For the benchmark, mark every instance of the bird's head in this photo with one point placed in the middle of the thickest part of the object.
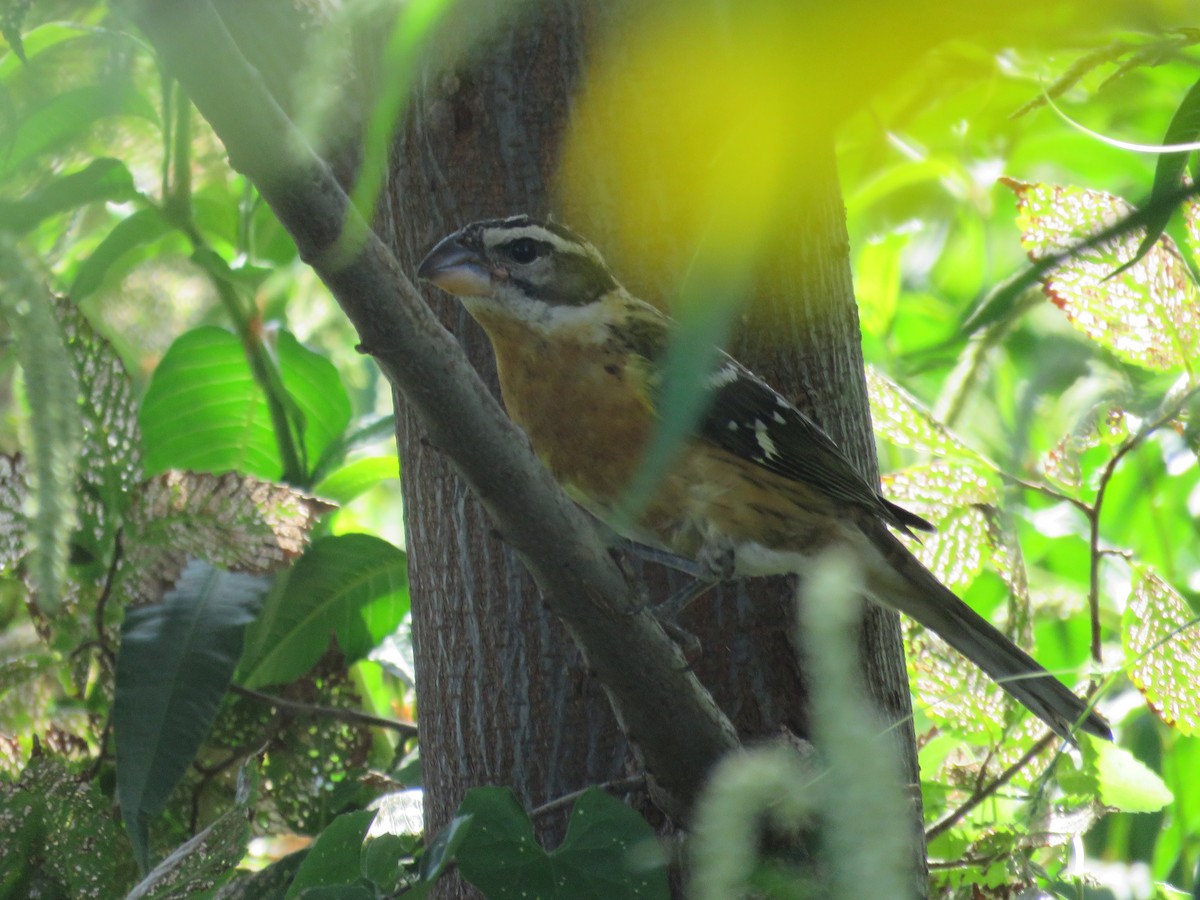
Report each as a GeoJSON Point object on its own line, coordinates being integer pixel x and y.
{"type": "Point", "coordinates": [520, 263]}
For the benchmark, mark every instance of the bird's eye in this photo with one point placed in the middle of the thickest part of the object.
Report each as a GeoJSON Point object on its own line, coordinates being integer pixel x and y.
{"type": "Point", "coordinates": [522, 250]}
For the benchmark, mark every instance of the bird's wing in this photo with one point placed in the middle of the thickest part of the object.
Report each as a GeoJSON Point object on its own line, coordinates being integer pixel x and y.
{"type": "Point", "coordinates": [748, 418]}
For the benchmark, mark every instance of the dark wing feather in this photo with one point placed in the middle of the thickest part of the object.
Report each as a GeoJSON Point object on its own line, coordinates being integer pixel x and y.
{"type": "Point", "coordinates": [751, 420]}
{"type": "Point", "coordinates": [748, 418]}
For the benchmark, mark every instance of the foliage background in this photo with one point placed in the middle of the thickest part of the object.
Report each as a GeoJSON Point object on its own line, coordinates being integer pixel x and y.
{"type": "Point", "coordinates": [115, 194]}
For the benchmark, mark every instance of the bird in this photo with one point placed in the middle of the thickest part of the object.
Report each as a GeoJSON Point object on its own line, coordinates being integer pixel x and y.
{"type": "Point", "coordinates": [758, 488]}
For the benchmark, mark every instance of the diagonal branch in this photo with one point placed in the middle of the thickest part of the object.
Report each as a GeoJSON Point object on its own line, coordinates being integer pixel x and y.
{"type": "Point", "coordinates": [672, 721]}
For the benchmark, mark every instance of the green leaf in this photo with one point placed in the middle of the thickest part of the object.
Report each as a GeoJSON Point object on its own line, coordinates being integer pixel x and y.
{"type": "Point", "coordinates": [1126, 783]}
{"type": "Point", "coordinates": [203, 410]}
{"type": "Point", "coordinates": [110, 459]}
{"type": "Point", "coordinates": [501, 857]}
{"type": "Point", "coordinates": [356, 478]}
{"type": "Point", "coordinates": [209, 858]}
{"type": "Point", "coordinates": [40, 39]}
{"type": "Point", "coordinates": [1149, 314]}
{"type": "Point", "coordinates": [1161, 636]}
{"type": "Point", "coordinates": [136, 230]}
{"type": "Point", "coordinates": [1184, 128]}
{"type": "Point", "coordinates": [66, 116]}
{"type": "Point", "coordinates": [101, 179]}
{"type": "Point", "coordinates": [334, 859]}
{"type": "Point", "coordinates": [316, 388]}
{"type": "Point", "coordinates": [175, 663]}
{"type": "Point", "coordinates": [58, 837]}
{"type": "Point", "coordinates": [443, 848]}
{"type": "Point", "coordinates": [352, 585]}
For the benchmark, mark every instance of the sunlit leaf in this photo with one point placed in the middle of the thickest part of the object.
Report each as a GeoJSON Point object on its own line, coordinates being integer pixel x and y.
{"type": "Point", "coordinates": [67, 115]}
{"type": "Point", "coordinates": [1161, 636]}
{"type": "Point", "coordinates": [101, 179]}
{"type": "Point", "coordinates": [354, 479]}
{"type": "Point", "coordinates": [174, 666]}
{"type": "Point", "coordinates": [315, 386]}
{"type": "Point", "coordinates": [1148, 314]}
{"type": "Point", "coordinates": [352, 585]}
{"type": "Point", "coordinates": [501, 856]}
{"type": "Point", "coordinates": [958, 499]}
{"type": "Point", "coordinates": [1126, 783]}
{"type": "Point", "coordinates": [903, 420]}
{"type": "Point", "coordinates": [233, 521]}
{"type": "Point", "coordinates": [204, 411]}
{"type": "Point", "coordinates": [1184, 128]}
{"type": "Point", "coordinates": [138, 229]}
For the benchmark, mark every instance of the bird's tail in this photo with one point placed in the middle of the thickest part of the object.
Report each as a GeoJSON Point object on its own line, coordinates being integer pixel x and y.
{"type": "Point", "coordinates": [906, 585]}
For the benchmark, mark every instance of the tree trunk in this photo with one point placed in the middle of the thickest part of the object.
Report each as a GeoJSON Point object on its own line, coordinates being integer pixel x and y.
{"type": "Point", "coordinates": [503, 696]}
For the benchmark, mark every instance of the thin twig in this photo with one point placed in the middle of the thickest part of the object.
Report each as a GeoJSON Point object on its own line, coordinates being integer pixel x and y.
{"type": "Point", "coordinates": [980, 794]}
{"type": "Point", "coordinates": [1093, 513]}
{"type": "Point", "coordinates": [616, 786]}
{"type": "Point", "coordinates": [337, 713]}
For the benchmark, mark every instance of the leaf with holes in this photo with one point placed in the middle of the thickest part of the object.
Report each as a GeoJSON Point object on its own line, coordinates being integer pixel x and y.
{"type": "Point", "coordinates": [51, 819]}
{"type": "Point", "coordinates": [1149, 314]}
{"type": "Point", "coordinates": [352, 585]}
{"type": "Point", "coordinates": [110, 462]}
{"type": "Point", "coordinates": [234, 521]}
{"type": "Point", "coordinates": [1161, 636]}
{"type": "Point", "coordinates": [959, 498]}
{"type": "Point", "coordinates": [501, 857]}
{"type": "Point", "coordinates": [13, 488]}
{"type": "Point", "coordinates": [209, 858]}
{"type": "Point", "coordinates": [902, 420]}
{"type": "Point", "coordinates": [174, 666]}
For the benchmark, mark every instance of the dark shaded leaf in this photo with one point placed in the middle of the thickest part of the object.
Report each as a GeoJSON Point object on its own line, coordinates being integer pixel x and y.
{"type": "Point", "coordinates": [175, 663]}
{"type": "Point", "coordinates": [352, 585]}
{"type": "Point", "coordinates": [334, 858]}
{"type": "Point", "coordinates": [501, 857]}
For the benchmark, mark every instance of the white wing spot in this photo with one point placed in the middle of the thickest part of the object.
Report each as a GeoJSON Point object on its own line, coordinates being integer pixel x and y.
{"type": "Point", "coordinates": [727, 374]}
{"type": "Point", "coordinates": [778, 417]}
{"type": "Point", "coordinates": [732, 426]}
{"type": "Point", "coordinates": [764, 439]}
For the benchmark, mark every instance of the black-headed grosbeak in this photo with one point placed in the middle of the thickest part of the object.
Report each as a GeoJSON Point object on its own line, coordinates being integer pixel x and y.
{"type": "Point", "coordinates": [758, 489]}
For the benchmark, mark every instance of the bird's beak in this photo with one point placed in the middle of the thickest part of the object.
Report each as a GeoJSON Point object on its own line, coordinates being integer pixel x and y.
{"type": "Point", "coordinates": [456, 269]}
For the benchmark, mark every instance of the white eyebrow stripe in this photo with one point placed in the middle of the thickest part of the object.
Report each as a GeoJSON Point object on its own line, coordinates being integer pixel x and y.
{"type": "Point", "coordinates": [493, 237]}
